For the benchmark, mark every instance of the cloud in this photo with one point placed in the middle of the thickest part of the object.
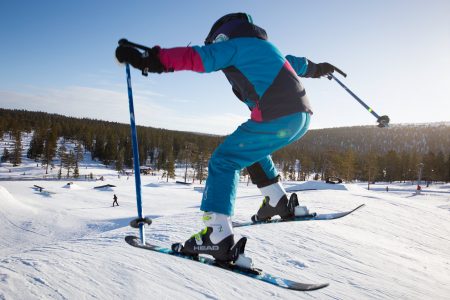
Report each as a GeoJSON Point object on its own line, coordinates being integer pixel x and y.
{"type": "Point", "coordinates": [112, 105]}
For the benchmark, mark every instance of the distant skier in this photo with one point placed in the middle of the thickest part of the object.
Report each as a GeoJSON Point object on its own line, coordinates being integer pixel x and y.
{"type": "Point", "coordinates": [115, 200]}
{"type": "Point", "coordinates": [267, 82]}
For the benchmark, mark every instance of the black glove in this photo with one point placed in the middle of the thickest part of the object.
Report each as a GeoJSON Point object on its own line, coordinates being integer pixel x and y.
{"type": "Point", "coordinates": [146, 62]}
{"type": "Point", "coordinates": [319, 70]}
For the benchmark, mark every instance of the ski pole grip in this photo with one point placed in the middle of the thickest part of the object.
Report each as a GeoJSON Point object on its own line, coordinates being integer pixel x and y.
{"type": "Point", "coordinates": [340, 72]}
{"type": "Point", "coordinates": [331, 76]}
{"type": "Point", "coordinates": [123, 42]}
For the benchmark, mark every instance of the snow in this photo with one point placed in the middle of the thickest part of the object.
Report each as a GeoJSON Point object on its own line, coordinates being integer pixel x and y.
{"type": "Point", "coordinates": [67, 241]}
{"type": "Point", "coordinates": [70, 244]}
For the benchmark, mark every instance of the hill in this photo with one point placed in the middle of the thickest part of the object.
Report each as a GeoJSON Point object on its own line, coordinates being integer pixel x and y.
{"type": "Point", "coordinates": [69, 244]}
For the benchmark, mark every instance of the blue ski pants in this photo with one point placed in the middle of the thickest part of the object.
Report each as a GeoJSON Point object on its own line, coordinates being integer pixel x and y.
{"type": "Point", "coordinates": [251, 142]}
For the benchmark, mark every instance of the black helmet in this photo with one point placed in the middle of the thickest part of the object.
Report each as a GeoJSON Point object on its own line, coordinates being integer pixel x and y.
{"type": "Point", "coordinates": [232, 26]}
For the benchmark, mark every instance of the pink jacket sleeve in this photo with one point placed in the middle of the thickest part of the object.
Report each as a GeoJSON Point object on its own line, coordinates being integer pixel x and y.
{"type": "Point", "coordinates": [181, 58]}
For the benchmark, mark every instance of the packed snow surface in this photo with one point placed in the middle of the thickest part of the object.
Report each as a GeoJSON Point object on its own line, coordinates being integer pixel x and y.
{"type": "Point", "coordinates": [68, 243]}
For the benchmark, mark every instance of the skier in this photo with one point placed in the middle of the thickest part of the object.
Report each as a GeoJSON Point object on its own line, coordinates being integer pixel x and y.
{"type": "Point", "coordinates": [115, 200]}
{"type": "Point", "coordinates": [267, 82]}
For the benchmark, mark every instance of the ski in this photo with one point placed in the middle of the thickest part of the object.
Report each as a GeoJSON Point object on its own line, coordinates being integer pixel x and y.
{"type": "Point", "coordinates": [255, 273]}
{"type": "Point", "coordinates": [309, 217]}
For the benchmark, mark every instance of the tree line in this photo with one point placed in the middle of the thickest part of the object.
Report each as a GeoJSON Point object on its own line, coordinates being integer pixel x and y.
{"type": "Point", "coordinates": [369, 153]}
{"type": "Point", "coordinates": [107, 142]}
{"type": "Point", "coordinates": [364, 153]}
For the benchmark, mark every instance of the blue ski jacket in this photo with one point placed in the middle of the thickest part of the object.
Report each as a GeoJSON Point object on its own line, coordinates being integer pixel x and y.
{"type": "Point", "coordinates": [259, 74]}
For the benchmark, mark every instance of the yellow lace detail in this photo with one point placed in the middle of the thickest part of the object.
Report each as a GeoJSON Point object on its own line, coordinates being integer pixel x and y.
{"type": "Point", "coordinates": [206, 217]}
{"type": "Point", "coordinates": [264, 201]}
{"type": "Point", "coordinates": [198, 236]}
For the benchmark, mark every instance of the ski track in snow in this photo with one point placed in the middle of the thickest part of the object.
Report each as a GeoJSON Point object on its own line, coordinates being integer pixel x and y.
{"type": "Point", "coordinates": [69, 245]}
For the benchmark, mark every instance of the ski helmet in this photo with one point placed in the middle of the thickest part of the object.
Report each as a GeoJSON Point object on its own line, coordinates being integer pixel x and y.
{"type": "Point", "coordinates": [232, 26]}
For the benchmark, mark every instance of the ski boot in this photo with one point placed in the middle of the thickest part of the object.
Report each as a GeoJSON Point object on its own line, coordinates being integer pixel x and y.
{"type": "Point", "coordinates": [284, 208]}
{"type": "Point", "coordinates": [217, 240]}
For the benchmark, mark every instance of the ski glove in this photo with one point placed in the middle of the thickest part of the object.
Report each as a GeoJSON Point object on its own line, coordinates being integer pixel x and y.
{"type": "Point", "coordinates": [319, 70]}
{"type": "Point", "coordinates": [146, 62]}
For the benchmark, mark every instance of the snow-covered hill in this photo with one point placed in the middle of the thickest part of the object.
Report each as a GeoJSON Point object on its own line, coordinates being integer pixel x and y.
{"type": "Point", "coordinates": [68, 243]}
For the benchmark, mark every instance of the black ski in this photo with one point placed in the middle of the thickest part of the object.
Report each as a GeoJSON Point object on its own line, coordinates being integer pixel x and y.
{"type": "Point", "coordinates": [310, 217]}
{"type": "Point", "coordinates": [253, 272]}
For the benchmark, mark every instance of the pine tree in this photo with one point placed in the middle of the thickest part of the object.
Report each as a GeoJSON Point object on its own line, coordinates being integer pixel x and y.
{"type": "Point", "coordinates": [110, 149]}
{"type": "Point", "coordinates": [142, 149]}
{"type": "Point", "coordinates": [6, 155]}
{"type": "Point", "coordinates": [119, 160]}
{"type": "Point", "coordinates": [162, 157]}
{"type": "Point", "coordinates": [331, 164]}
{"type": "Point", "coordinates": [16, 157]}
{"type": "Point", "coordinates": [391, 165]}
{"type": "Point", "coordinates": [429, 161]}
{"type": "Point", "coordinates": [189, 148]}
{"type": "Point", "coordinates": [99, 148]}
{"type": "Point", "coordinates": [306, 169]}
{"type": "Point", "coordinates": [62, 157]}
{"type": "Point", "coordinates": [78, 153]}
{"type": "Point", "coordinates": [348, 165]}
{"type": "Point", "coordinates": [36, 148]}
{"type": "Point", "coordinates": [370, 168]}
{"type": "Point", "coordinates": [49, 148]}
{"type": "Point", "coordinates": [78, 156]}
{"type": "Point", "coordinates": [69, 162]}
{"type": "Point", "coordinates": [201, 162]}
{"type": "Point", "coordinates": [414, 161]}
{"type": "Point", "coordinates": [404, 166]}
{"type": "Point", "coordinates": [128, 152]}
{"type": "Point", "coordinates": [447, 179]}
{"type": "Point", "coordinates": [76, 172]}
{"type": "Point", "coordinates": [170, 165]}
{"type": "Point", "coordinates": [440, 167]}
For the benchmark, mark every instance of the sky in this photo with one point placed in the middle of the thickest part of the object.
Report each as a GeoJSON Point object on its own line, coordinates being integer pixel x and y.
{"type": "Point", "coordinates": [58, 57]}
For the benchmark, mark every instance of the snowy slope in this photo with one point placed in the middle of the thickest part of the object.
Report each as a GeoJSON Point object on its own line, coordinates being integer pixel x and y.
{"type": "Point", "coordinates": [69, 244]}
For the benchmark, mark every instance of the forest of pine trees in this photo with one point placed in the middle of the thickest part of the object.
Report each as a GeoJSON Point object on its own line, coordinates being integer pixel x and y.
{"type": "Point", "coordinates": [108, 142]}
{"type": "Point", "coordinates": [365, 153]}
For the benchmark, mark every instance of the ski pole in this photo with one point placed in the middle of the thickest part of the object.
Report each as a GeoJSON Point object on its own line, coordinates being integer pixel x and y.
{"type": "Point", "coordinates": [383, 121]}
{"type": "Point", "coordinates": [137, 173]}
